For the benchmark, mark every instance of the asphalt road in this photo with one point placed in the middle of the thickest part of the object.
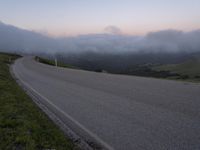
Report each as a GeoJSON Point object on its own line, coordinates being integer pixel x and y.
{"type": "Point", "coordinates": [120, 112]}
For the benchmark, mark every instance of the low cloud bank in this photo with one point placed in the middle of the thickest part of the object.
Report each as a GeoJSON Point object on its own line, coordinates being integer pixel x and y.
{"type": "Point", "coordinates": [171, 41]}
{"type": "Point", "coordinates": [162, 41]}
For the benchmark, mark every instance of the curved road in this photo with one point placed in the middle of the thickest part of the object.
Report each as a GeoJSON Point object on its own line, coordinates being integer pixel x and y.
{"type": "Point", "coordinates": [120, 112]}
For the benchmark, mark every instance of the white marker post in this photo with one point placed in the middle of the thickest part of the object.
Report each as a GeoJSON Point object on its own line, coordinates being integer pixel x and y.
{"type": "Point", "coordinates": [56, 63]}
{"type": "Point", "coordinates": [9, 59]}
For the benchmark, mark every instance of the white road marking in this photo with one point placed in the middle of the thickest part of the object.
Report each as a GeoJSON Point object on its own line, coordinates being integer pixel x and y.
{"type": "Point", "coordinates": [98, 139]}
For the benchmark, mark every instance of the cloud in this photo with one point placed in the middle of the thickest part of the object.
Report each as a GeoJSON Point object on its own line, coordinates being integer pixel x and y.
{"type": "Point", "coordinates": [162, 41]}
{"type": "Point", "coordinates": [18, 40]}
{"type": "Point", "coordinates": [112, 30]}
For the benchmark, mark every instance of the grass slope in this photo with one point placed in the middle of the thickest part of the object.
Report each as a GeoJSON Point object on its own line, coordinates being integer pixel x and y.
{"type": "Point", "coordinates": [190, 68]}
{"type": "Point", "coordinates": [52, 63]}
{"type": "Point", "coordinates": [22, 124]}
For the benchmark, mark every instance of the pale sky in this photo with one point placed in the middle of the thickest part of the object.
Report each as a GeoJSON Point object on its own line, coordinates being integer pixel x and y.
{"type": "Point", "coordinates": [74, 17]}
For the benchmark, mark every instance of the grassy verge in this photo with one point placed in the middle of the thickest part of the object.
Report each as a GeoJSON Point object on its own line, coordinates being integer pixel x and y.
{"type": "Point", "coordinates": [52, 63]}
{"type": "Point", "coordinates": [22, 124]}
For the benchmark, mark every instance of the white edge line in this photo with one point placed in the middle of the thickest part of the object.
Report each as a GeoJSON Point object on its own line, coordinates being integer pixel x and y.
{"type": "Point", "coordinates": [68, 116]}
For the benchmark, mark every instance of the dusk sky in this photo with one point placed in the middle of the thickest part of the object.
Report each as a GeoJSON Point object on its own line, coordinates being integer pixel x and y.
{"type": "Point", "coordinates": [74, 17]}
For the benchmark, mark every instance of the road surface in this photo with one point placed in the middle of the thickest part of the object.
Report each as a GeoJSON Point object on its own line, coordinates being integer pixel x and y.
{"type": "Point", "coordinates": [120, 112]}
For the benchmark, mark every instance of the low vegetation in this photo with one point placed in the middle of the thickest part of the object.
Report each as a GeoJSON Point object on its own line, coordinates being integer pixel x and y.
{"type": "Point", "coordinates": [188, 70]}
{"type": "Point", "coordinates": [52, 63]}
{"type": "Point", "coordinates": [22, 124]}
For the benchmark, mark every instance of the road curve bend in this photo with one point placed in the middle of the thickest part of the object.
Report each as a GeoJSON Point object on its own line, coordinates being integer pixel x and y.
{"type": "Point", "coordinates": [117, 111]}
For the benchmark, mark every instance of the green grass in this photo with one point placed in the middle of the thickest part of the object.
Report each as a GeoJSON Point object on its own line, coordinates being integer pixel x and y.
{"type": "Point", "coordinates": [52, 63]}
{"type": "Point", "coordinates": [186, 71]}
{"type": "Point", "coordinates": [22, 124]}
{"type": "Point", "coordinates": [189, 69]}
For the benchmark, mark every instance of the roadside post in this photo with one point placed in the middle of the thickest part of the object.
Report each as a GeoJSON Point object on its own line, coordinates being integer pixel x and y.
{"type": "Point", "coordinates": [9, 60]}
{"type": "Point", "coordinates": [56, 63]}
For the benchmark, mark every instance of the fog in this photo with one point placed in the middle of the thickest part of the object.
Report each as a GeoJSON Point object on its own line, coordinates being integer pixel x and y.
{"type": "Point", "coordinates": [19, 40]}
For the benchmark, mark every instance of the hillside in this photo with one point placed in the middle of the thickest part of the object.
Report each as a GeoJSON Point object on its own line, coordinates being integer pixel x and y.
{"type": "Point", "coordinates": [190, 68]}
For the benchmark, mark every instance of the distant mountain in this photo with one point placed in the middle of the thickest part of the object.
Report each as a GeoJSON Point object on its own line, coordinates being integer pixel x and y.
{"type": "Point", "coordinates": [116, 63]}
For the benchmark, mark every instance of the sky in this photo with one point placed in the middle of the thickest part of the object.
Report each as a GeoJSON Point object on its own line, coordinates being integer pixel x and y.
{"type": "Point", "coordinates": [75, 17]}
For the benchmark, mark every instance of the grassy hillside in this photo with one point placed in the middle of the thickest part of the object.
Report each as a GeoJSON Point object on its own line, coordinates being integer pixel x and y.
{"type": "Point", "coordinates": [190, 69]}
{"type": "Point", "coordinates": [23, 125]}
{"type": "Point", "coordinates": [52, 63]}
